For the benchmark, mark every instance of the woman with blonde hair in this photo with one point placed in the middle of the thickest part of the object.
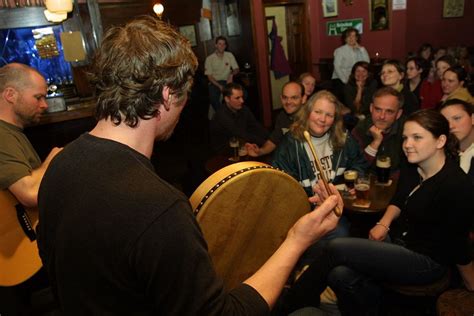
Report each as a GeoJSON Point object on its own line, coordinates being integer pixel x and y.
{"type": "Point", "coordinates": [336, 149]}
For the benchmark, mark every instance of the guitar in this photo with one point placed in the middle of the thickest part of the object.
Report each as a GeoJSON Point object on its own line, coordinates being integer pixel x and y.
{"type": "Point", "coordinates": [19, 257]}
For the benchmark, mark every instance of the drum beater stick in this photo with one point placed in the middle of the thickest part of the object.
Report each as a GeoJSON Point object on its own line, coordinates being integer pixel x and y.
{"type": "Point", "coordinates": [337, 209]}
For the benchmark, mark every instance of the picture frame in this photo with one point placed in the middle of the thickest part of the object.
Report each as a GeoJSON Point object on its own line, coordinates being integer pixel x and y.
{"type": "Point", "coordinates": [329, 8]}
{"type": "Point", "coordinates": [453, 8]}
{"type": "Point", "coordinates": [189, 32]}
{"type": "Point", "coordinates": [379, 15]}
{"type": "Point", "coordinates": [232, 18]}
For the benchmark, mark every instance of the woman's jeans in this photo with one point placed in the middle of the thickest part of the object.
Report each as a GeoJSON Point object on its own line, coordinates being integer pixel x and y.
{"type": "Point", "coordinates": [354, 268]}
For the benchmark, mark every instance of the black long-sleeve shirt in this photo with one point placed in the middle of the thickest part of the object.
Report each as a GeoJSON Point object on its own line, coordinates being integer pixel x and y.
{"type": "Point", "coordinates": [118, 240]}
{"type": "Point", "coordinates": [437, 216]}
{"type": "Point", "coordinates": [241, 124]}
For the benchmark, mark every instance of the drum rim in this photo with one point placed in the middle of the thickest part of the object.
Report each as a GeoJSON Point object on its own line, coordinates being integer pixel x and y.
{"type": "Point", "coordinates": [225, 174]}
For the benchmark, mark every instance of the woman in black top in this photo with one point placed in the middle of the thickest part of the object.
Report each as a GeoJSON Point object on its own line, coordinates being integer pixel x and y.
{"type": "Point", "coordinates": [359, 89]}
{"type": "Point", "coordinates": [434, 204]}
{"type": "Point", "coordinates": [414, 75]}
{"type": "Point", "coordinates": [392, 75]}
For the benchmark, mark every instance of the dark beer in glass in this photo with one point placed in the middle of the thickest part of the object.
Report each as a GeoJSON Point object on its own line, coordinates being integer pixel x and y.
{"type": "Point", "coordinates": [382, 169]}
{"type": "Point", "coordinates": [350, 177]}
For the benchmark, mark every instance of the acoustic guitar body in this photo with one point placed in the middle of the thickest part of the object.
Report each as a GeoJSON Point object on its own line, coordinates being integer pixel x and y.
{"type": "Point", "coordinates": [19, 257]}
{"type": "Point", "coordinates": [245, 211]}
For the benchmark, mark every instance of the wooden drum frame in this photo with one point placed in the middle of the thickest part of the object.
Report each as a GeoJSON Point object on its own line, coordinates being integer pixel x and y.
{"type": "Point", "coordinates": [245, 211]}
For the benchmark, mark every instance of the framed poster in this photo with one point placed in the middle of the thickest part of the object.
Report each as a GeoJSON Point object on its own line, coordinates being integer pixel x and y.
{"type": "Point", "coordinates": [329, 8]}
{"type": "Point", "coordinates": [379, 19]}
{"type": "Point", "coordinates": [453, 8]}
{"type": "Point", "coordinates": [232, 18]}
{"type": "Point", "coordinates": [190, 33]}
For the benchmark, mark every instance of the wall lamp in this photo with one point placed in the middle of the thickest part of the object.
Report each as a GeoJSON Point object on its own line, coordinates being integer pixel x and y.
{"type": "Point", "coordinates": [158, 8]}
{"type": "Point", "coordinates": [56, 10]}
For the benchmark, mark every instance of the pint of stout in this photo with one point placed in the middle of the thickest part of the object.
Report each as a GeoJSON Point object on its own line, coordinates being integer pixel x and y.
{"type": "Point", "coordinates": [383, 169]}
{"type": "Point", "coordinates": [350, 177]}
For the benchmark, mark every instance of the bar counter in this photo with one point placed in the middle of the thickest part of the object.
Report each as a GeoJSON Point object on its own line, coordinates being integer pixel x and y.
{"type": "Point", "coordinates": [57, 129]}
{"type": "Point", "coordinates": [82, 109]}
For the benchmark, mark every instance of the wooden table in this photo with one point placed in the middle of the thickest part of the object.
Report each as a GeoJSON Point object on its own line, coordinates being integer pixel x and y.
{"type": "Point", "coordinates": [379, 195]}
{"type": "Point", "coordinates": [363, 219]}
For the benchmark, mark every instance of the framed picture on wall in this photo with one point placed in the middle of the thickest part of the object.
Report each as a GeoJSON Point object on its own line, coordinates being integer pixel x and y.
{"type": "Point", "coordinates": [190, 33]}
{"type": "Point", "coordinates": [232, 18]}
{"type": "Point", "coordinates": [453, 8]}
{"type": "Point", "coordinates": [379, 17]}
{"type": "Point", "coordinates": [329, 8]}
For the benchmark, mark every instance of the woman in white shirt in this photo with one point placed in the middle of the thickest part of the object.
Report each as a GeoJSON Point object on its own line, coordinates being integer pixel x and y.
{"type": "Point", "coordinates": [348, 54]}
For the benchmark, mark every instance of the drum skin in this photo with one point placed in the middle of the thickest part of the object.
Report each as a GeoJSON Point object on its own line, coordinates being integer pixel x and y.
{"type": "Point", "coordinates": [245, 211]}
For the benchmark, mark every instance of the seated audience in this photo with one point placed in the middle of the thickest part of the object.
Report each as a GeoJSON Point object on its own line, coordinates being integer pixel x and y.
{"type": "Point", "coordinates": [453, 85]}
{"type": "Point", "coordinates": [359, 89]}
{"type": "Point", "coordinates": [431, 91]}
{"type": "Point", "coordinates": [345, 57]}
{"type": "Point", "coordinates": [429, 239]}
{"type": "Point", "coordinates": [439, 52]}
{"type": "Point", "coordinates": [234, 119]}
{"type": "Point", "coordinates": [460, 115]}
{"type": "Point", "coordinates": [115, 238]}
{"type": "Point", "coordinates": [464, 60]}
{"type": "Point", "coordinates": [309, 83]}
{"type": "Point", "coordinates": [348, 54]}
{"type": "Point", "coordinates": [425, 52]}
{"type": "Point", "coordinates": [292, 97]}
{"type": "Point", "coordinates": [381, 132]}
{"type": "Point", "coordinates": [392, 75]}
{"type": "Point", "coordinates": [336, 149]}
{"type": "Point", "coordinates": [220, 69]}
{"type": "Point", "coordinates": [414, 75]}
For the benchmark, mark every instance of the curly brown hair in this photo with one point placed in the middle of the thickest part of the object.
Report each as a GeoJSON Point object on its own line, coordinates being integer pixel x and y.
{"type": "Point", "coordinates": [133, 65]}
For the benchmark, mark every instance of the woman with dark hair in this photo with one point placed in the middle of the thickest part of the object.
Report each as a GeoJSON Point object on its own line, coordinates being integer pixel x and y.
{"type": "Point", "coordinates": [464, 60]}
{"type": "Point", "coordinates": [414, 66]}
{"type": "Point", "coordinates": [433, 208]}
{"type": "Point", "coordinates": [348, 54]}
{"type": "Point", "coordinates": [430, 91]}
{"type": "Point", "coordinates": [392, 75]}
{"type": "Point", "coordinates": [426, 54]}
{"type": "Point", "coordinates": [359, 89]}
{"type": "Point", "coordinates": [453, 85]}
{"type": "Point", "coordinates": [460, 115]}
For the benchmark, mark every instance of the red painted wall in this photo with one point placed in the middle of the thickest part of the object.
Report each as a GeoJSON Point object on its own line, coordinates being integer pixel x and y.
{"type": "Point", "coordinates": [426, 24]}
{"type": "Point", "coordinates": [382, 42]}
{"type": "Point", "coordinates": [421, 22]}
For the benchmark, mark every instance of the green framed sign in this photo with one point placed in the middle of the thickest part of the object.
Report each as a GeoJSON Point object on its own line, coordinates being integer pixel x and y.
{"type": "Point", "coordinates": [335, 28]}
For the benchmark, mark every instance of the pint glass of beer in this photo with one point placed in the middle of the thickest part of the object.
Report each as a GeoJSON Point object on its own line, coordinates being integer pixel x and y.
{"type": "Point", "coordinates": [362, 188]}
{"type": "Point", "coordinates": [234, 144]}
{"type": "Point", "coordinates": [350, 177]}
{"type": "Point", "coordinates": [383, 169]}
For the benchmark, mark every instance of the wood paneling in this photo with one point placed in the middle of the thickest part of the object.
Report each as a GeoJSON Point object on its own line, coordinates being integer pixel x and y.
{"type": "Point", "coordinates": [22, 17]}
